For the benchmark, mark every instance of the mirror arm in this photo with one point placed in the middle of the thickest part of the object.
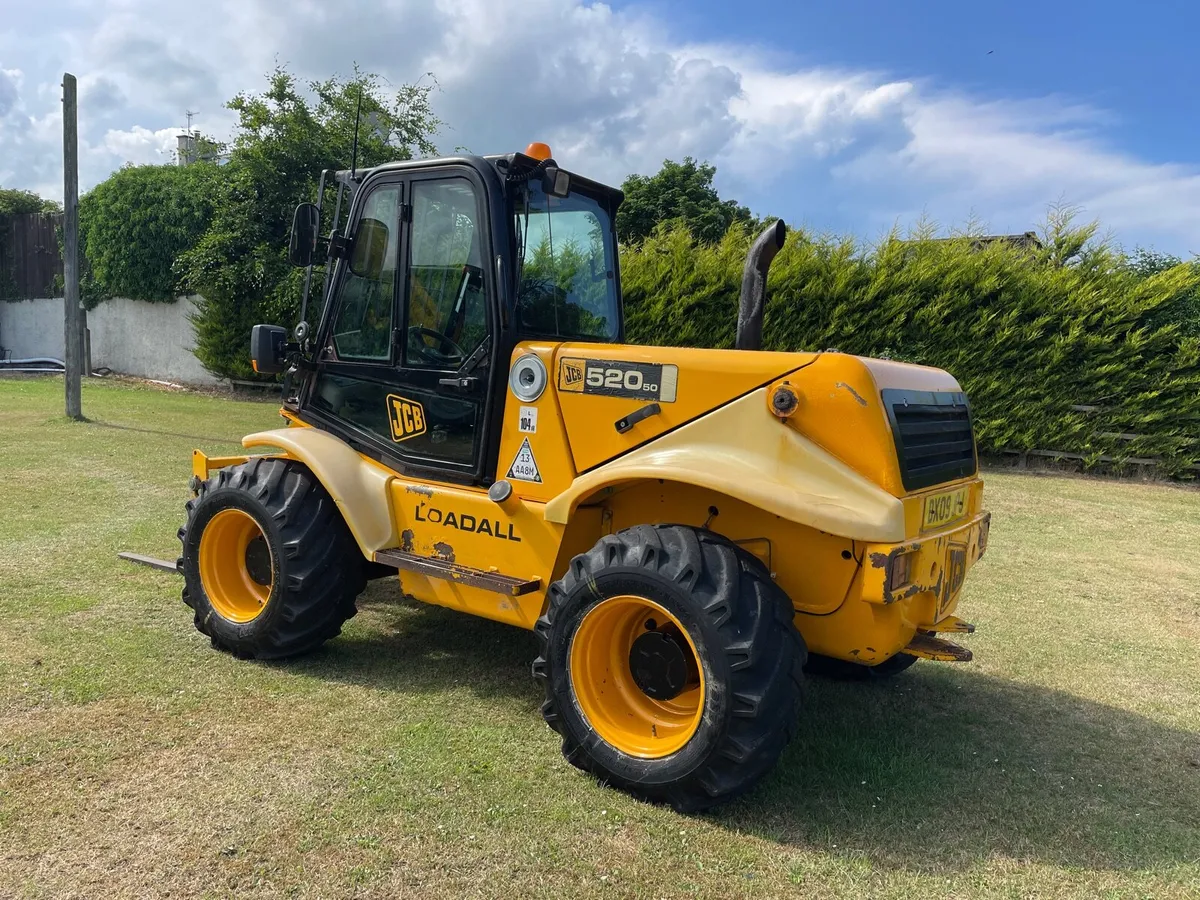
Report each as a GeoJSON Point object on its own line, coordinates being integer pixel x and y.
{"type": "Point", "coordinates": [339, 245]}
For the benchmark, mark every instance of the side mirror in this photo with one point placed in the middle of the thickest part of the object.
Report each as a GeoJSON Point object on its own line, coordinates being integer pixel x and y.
{"type": "Point", "coordinates": [305, 224]}
{"type": "Point", "coordinates": [267, 349]}
{"type": "Point", "coordinates": [369, 247]}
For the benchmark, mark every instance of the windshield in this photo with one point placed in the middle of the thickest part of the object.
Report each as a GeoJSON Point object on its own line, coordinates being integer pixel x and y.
{"type": "Point", "coordinates": [568, 279]}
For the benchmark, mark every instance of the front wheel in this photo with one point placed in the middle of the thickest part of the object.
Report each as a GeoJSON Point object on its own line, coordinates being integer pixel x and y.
{"type": "Point", "coordinates": [269, 566]}
{"type": "Point", "coordinates": [671, 665]}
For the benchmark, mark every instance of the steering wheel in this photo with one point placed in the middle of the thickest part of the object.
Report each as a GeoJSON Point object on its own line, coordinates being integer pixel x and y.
{"type": "Point", "coordinates": [416, 340]}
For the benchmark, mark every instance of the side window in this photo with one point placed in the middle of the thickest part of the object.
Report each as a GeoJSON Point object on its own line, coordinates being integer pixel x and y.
{"type": "Point", "coordinates": [446, 303]}
{"type": "Point", "coordinates": [363, 328]}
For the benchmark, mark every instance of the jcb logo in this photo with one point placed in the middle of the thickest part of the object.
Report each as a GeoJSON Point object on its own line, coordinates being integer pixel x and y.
{"type": "Point", "coordinates": [572, 375]}
{"type": "Point", "coordinates": [407, 417]}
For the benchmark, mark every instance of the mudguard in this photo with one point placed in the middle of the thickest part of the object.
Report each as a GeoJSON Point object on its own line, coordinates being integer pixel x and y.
{"type": "Point", "coordinates": [358, 485]}
{"type": "Point", "coordinates": [742, 451]}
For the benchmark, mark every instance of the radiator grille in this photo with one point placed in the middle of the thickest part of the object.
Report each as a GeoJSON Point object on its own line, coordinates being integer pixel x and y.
{"type": "Point", "coordinates": [934, 439]}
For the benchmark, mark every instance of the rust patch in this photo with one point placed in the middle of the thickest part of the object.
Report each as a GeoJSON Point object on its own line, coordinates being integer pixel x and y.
{"type": "Point", "coordinates": [911, 591]}
{"type": "Point", "coordinates": [857, 396]}
{"type": "Point", "coordinates": [930, 647]}
{"type": "Point", "coordinates": [423, 489]}
{"type": "Point", "coordinates": [880, 560]}
{"type": "Point", "coordinates": [406, 540]}
{"type": "Point", "coordinates": [444, 551]}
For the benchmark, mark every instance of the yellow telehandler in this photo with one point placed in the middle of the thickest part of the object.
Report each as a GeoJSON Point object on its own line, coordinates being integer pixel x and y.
{"type": "Point", "coordinates": [680, 527]}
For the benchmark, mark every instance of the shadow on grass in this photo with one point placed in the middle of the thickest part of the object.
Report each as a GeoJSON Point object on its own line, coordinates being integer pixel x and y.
{"type": "Point", "coordinates": [414, 648]}
{"type": "Point", "coordinates": [938, 769]}
{"type": "Point", "coordinates": [944, 767]}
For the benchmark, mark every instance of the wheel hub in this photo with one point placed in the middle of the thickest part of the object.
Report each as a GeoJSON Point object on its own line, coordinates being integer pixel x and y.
{"type": "Point", "coordinates": [258, 561]}
{"type": "Point", "coordinates": [659, 665]}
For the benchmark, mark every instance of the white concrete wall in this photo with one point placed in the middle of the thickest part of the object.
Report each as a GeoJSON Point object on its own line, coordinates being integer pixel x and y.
{"type": "Point", "coordinates": [32, 328]}
{"type": "Point", "coordinates": [147, 340]}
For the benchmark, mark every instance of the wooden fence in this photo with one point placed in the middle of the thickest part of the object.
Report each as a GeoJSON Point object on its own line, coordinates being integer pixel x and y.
{"type": "Point", "coordinates": [1141, 463]}
{"type": "Point", "coordinates": [29, 256]}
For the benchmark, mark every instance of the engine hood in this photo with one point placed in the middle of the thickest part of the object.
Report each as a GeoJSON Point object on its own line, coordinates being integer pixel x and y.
{"type": "Point", "coordinates": [842, 410]}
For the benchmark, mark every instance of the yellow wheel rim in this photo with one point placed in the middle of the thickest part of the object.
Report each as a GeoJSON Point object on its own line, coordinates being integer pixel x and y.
{"type": "Point", "coordinates": [225, 571]}
{"type": "Point", "coordinates": [608, 694]}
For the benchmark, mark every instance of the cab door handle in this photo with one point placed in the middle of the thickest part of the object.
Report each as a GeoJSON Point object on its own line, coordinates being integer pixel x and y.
{"type": "Point", "coordinates": [466, 383]}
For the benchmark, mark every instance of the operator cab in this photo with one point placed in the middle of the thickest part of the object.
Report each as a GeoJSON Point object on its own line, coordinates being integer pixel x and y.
{"type": "Point", "coordinates": [443, 267]}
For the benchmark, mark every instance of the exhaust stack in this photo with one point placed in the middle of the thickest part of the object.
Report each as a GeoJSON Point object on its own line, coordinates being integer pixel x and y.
{"type": "Point", "coordinates": [754, 285]}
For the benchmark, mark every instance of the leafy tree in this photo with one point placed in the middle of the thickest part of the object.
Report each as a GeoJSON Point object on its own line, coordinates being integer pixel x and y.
{"type": "Point", "coordinates": [680, 192]}
{"type": "Point", "coordinates": [15, 202]}
{"type": "Point", "coordinates": [1185, 310]}
{"type": "Point", "coordinates": [284, 138]}
{"type": "Point", "coordinates": [136, 223]}
{"type": "Point", "coordinates": [1143, 262]}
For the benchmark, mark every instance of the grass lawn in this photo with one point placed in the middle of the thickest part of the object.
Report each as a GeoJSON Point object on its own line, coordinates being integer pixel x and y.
{"type": "Point", "coordinates": [408, 758]}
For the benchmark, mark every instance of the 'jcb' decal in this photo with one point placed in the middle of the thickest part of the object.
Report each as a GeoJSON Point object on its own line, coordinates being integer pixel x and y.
{"type": "Point", "coordinates": [571, 375]}
{"type": "Point", "coordinates": [407, 417]}
{"type": "Point", "coordinates": [619, 378]}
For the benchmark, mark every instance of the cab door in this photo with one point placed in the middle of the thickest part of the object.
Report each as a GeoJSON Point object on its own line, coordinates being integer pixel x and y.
{"type": "Point", "coordinates": [403, 373]}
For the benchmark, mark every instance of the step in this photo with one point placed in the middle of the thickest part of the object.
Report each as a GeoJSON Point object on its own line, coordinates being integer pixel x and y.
{"type": "Point", "coordinates": [433, 567]}
{"type": "Point", "coordinates": [927, 646]}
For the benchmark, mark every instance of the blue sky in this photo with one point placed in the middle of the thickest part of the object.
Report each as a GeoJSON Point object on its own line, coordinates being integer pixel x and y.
{"type": "Point", "coordinates": [1142, 66]}
{"type": "Point", "coordinates": [1137, 65]}
{"type": "Point", "coordinates": [853, 116]}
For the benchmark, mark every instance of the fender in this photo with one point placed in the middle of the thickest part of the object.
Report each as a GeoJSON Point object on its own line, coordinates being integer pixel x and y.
{"type": "Point", "coordinates": [359, 486]}
{"type": "Point", "coordinates": [744, 452]}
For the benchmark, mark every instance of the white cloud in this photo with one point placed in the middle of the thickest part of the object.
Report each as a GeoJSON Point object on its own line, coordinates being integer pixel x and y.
{"type": "Point", "coordinates": [140, 145]}
{"type": "Point", "coordinates": [10, 90]}
{"type": "Point", "coordinates": [612, 92]}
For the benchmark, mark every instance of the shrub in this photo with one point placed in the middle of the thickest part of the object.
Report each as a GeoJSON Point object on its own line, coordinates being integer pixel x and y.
{"type": "Point", "coordinates": [135, 224]}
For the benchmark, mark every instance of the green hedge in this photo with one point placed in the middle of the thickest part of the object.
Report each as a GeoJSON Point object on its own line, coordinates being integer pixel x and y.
{"type": "Point", "coordinates": [1030, 334]}
{"type": "Point", "coordinates": [134, 224]}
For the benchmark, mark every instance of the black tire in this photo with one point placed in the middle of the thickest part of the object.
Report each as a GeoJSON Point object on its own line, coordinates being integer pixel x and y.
{"type": "Point", "coordinates": [849, 671]}
{"type": "Point", "coordinates": [740, 623]}
{"type": "Point", "coordinates": [317, 570]}
{"type": "Point", "coordinates": [892, 666]}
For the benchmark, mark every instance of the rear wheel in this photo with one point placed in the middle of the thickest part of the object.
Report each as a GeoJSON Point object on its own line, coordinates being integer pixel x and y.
{"type": "Point", "coordinates": [671, 665]}
{"type": "Point", "coordinates": [839, 668]}
{"type": "Point", "coordinates": [892, 666]}
{"type": "Point", "coordinates": [269, 566]}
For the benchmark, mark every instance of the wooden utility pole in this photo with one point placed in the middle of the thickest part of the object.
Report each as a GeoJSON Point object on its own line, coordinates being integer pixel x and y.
{"type": "Point", "coordinates": [73, 336]}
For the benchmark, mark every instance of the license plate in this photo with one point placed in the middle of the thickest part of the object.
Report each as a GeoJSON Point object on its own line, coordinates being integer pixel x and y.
{"type": "Point", "coordinates": [943, 508]}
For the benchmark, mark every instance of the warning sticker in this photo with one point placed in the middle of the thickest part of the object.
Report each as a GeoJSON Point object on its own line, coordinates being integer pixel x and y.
{"type": "Point", "coordinates": [524, 467]}
{"type": "Point", "coordinates": [527, 421]}
{"type": "Point", "coordinates": [618, 378]}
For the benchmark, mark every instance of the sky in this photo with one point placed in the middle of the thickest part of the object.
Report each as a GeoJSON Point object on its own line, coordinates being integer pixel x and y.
{"type": "Point", "coordinates": [847, 117]}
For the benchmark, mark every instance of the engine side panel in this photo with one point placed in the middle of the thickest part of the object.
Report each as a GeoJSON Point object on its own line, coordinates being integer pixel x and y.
{"type": "Point", "coordinates": [598, 385]}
